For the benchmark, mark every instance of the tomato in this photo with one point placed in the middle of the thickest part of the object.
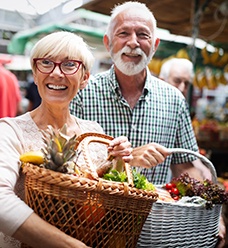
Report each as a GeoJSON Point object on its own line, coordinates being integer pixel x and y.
{"type": "Point", "coordinates": [174, 185]}
{"type": "Point", "coordinates": [175, 191]}
{"type": "Point", "coordinates": [176, 198]}
{"type": "Point", "coordinates": [169, 186]}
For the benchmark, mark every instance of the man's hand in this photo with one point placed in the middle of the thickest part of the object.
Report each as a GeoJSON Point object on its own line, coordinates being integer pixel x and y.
{"type": "Point", "coordinates": [222, 233]}
{"type": "Point", "coordinates": [149, 155]}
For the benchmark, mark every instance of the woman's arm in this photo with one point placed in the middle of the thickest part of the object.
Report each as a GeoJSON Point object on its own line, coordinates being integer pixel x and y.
{"type": "Point", "coordinates": [39, 234]}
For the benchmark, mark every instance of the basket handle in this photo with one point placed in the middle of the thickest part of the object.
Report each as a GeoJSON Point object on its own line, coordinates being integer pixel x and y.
{"type": "Point", "coordinates": [86, 139]}
{"type": "Point", "coordinates": [205, 161]}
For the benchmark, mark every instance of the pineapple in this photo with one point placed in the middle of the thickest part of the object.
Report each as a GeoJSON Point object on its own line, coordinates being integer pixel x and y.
{"type": "Point", "coordinates": [59, 151]}
{"type": "Point", "coordinates": [60, 154]}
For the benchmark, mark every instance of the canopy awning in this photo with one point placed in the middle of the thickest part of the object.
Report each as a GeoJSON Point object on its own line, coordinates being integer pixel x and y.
{"type": "Point", "coordinates": [28, 37]}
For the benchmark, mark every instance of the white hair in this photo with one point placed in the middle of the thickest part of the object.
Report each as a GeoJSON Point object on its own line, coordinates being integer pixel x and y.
{"type": "Point", "coordinates": [166, 67]}
{"type": "Point", "coordinates": [129, 6]}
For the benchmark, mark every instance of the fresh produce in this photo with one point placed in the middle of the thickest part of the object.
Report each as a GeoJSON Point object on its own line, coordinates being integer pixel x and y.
{"type": "Point", "coordinates": [140, 181]}
{"type": "Point", "coordinates": [59, 154]}
{"type": "Point", "coordinates": [90, 214]}
{"type": "Point", "coordinates": [59, 151]}
{"type": "Point", "coordinates": [35, 157]}
{"type": "Point", "coordinates": [184, 185]}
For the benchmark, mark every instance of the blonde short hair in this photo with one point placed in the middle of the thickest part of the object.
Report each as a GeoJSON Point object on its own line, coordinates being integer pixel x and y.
{"type": "Point", "coordinates": [64, 43]}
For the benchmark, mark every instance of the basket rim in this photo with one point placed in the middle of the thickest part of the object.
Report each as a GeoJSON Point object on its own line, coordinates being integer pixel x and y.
{"type": "Point", "coordinates": [72, 182]}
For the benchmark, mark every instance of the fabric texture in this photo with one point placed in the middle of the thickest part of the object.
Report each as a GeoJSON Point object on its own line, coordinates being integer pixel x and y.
{"type": "Point", "coordinates": [19, 135]}
{"type": "Point", "coordinates": [161, 115]}
{"type": "Point", "coordinates": [10, 95]}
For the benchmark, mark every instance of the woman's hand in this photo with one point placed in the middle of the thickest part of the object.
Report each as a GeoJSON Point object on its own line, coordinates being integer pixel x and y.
{"type": "Point", "coordinates": [149, 155]}
{"type": "Point", "coordinates": [121, 147]}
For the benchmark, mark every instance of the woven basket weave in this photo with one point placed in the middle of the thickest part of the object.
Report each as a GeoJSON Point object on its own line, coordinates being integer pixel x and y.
{"type": "Point", "coordinates": [175, 225]}
{"type": "Point", "coordinates": [99, 213]}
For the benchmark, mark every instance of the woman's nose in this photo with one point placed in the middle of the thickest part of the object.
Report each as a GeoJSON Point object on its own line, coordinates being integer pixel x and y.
{"type": "Point", "coordinates": [57, 70]}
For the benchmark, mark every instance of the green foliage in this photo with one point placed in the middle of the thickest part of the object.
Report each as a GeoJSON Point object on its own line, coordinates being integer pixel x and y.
{"type": "Point", "coordinates": [140, 181]}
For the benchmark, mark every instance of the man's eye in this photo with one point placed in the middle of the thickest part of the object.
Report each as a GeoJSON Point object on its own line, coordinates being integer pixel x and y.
{"type": "Point", "coordinates": [122, 34]}
{"type": "Point", "coordinates": [143, 36]}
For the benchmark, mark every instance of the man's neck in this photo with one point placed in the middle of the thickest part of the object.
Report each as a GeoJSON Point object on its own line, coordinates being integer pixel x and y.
{"type": "Point", "coordinates": [131, 86]}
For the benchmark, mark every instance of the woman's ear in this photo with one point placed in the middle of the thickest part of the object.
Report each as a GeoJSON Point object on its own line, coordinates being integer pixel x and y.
{"type": "Point", "coordinates": [84, 82]}
{"type": "Point", "coordinates": [34, 78]}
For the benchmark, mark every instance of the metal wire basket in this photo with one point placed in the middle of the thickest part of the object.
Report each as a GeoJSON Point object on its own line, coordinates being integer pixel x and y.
{"type": "Point", "coordinates": [175, 225]}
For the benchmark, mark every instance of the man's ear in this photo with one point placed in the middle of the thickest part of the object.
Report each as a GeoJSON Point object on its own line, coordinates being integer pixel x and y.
{"type": "Point", "coordinates": [84, 81]}
{"type": "Point", "coordinates": [157, 42]}
{"type": "Point", "coordinates": [106, 42]}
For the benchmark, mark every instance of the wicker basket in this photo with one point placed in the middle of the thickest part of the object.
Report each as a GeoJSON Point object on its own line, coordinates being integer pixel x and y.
{"type": "Point", "coordinates": [99, 213]}
{"type": "Point", "coordinates": [175, 225]}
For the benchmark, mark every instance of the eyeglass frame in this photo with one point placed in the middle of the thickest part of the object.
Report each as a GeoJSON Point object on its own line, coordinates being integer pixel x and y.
{"type": "Point", "coordinates": [58, 64]}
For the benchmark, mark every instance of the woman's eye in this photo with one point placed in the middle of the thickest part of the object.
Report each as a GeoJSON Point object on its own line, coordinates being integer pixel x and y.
{"type": "Point", "coordinates": [69, 64]}
{"type": "Point", "coordinates": [47, 62]}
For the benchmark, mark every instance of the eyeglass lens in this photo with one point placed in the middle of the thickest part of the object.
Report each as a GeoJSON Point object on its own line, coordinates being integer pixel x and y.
{"type": "Point", "coordinates": [66, 67]}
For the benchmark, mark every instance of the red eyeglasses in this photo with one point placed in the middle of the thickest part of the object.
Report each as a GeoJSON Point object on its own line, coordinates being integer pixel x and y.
{"type": "Point", "coordinates": [67, 67]}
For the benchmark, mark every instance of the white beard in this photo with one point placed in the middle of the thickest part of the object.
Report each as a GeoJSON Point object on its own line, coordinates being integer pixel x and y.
{"type": "Point", "coordinates": [130, 68]}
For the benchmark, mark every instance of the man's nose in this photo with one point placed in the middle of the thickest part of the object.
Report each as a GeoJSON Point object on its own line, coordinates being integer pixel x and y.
{"type": "Point", "coordinates": [182, 86]}
{"type": "Point", "coordinates": [133, 40]}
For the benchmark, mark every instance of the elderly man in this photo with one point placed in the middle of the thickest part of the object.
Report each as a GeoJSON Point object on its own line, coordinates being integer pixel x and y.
{"type": "Point", "coordinates": [179, 73]}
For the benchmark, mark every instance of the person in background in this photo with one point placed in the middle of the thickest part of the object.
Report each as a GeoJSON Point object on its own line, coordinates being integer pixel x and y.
{"type": "Point", "coordinates": [61, 63]}
{"type": "Point", "coordinates": [178, 72]}
{"type": "Point", "coordinates": [33, 96]}
{"type": "Point", "coordinates": [10, 96]}
{"type": "Point", "coordinates": [128, 100]}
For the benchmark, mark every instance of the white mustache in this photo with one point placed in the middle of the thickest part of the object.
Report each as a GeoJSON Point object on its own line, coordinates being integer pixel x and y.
{"type": "Point", "coordinates": [136, 51]}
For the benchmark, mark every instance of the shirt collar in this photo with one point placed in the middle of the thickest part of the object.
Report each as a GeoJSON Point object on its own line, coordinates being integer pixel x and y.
{"type": "Point", "coordinates": [115, 86]}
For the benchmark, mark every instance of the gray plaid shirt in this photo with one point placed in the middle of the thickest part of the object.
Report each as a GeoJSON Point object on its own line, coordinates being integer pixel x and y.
{"type": "Point", "coordinates": [161, 115]}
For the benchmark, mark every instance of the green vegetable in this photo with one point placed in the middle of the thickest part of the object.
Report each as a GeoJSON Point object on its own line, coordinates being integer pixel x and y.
{"type": "Point", "coordinates": [140, 181]}
{"type": "Point", "coordinates": [116, 176]}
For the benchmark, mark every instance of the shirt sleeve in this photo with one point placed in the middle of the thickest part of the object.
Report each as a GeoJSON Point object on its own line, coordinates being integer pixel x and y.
{"type": "Point", "coordinates": [185, 137]}
{"type": "Point", "coordinates": [14, 211]}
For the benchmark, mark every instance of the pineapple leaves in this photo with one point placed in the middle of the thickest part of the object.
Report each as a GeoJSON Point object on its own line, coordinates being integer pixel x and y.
{"type": "Point", "coordinates": [59, 150]}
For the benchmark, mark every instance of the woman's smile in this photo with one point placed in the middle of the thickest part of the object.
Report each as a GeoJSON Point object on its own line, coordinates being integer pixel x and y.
{"type": "Point", "coordinates": [56, 87]}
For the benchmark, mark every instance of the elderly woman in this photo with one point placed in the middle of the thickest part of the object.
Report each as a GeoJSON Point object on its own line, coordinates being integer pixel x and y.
{"type": "Point", "coordinates": [60, 62]}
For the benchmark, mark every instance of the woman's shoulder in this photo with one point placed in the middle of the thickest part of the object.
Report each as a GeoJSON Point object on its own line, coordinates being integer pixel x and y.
{"type": "Point", "coordinates": [15, 121]}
